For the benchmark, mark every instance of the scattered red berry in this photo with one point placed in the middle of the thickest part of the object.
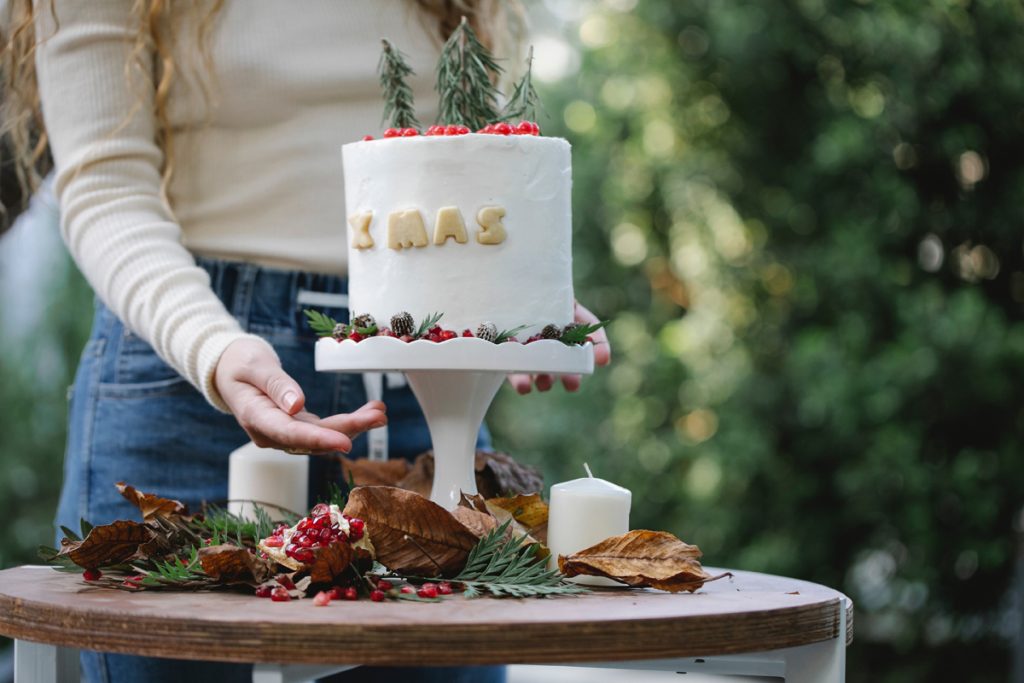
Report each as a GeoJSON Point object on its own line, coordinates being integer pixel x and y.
{"type": "Point", "coordinates": [322, 599]}
{"type": "Point", "coordinates": [503, 129]}
{"type": "Point", "coordinates": [377, 596]}
{"type": "Point", "coordinates": [392, 133]}
{"type": "Point", "coordinates": [351, 593]}
{"type": "Point", "coordinates": [92, 574]}
{"type": "Point", "coordinates": [355, 336]}
{"type": "Point", "coordinates": [367, 138]}
{"type": "Point", "coordinates": [280, 594]}
{"type": "Point", "coordinates": [427, 590]}
{"type": "Point", "coordinates": [408, 589]}
{"type": "Point", "coordinates": [444, 588]}
{"type": "Point", "coordinates": [264, 591]}
{"type": "Point", "coordinates": [524, 128]}
{"type": "Point", "coordinates": [383, 585]}
{"type": "Point", "coordinates": [285, 580]}
{"type": "Point", "coordinates": [409, 132]}
{"type": "Point", "coordinates": [467, 333]}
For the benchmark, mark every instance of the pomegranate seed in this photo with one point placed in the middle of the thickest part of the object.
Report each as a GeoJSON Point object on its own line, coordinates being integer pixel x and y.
{"type": "Point", "coordinates": [351, 593]}
{"type": "Point", "coordinates": [303, 555]}
{"type": "Point", "coordinates": [408, 589]}
{"type": "Point", "coordinates": [463, 130]}
{"type": "Point", "coordinates": [467, 333]}
{"type": "Point", "coordinates": [92, 574]}
{"type": "Point", "coordinates": [409, 132]}
{"type": "Point", "coordinates": [377, 596]}
{"type": "Point", "coordinates": [534, 338]}
{"type": "Point", "coordinates": [503, 129]}
{"type": "Point", "coordinates": [444, 588]}
{"type": "Point", "coordinates": [322, 599]}
{"type": "Point", "coordinates": [304, 523]}
{"type": "Point", "coordinates": [427, 590]}
{"type": "Point", "coordinates": [367, 138]}
{"type": "Point", "coordinates": [392, 133]}
{"type": "Point", "coordinates": [385, 332]}
{"type": "Point", "coordinates": [319, 510]}
{"type": "Point", "coordinates": [448, 334]}
{"type": "Point", "coordinates": [264, 591]}
{"type": "Point", "coordinates": [304, 540]}
{"type": "Point", "coordinates": [434, 337]}
{"type": "Point", "coordinates": [279, 531]}
{"type": "Point", "coordinates": [280, 594]}
{"type": "Point", "coordinates": [273, 542]}
{"type": "Point", "coordinates": [323, 522]}
{"type": "Point", "coordinates": [356, 337]}
{"type": "Point", "coordinates": [383, 585]}
{"type": "Point", "coordinates": [356, 524]}
{"type": "Point", "coordinates": [524, 128]}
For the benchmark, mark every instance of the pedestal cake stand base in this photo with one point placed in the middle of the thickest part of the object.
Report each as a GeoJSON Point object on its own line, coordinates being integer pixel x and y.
{"type": "Point", "coordinates": [454, 382]}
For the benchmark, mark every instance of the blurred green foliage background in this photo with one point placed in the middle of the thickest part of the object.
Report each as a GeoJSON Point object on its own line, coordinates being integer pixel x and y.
{"type": "Point", "coordinates": [804, 219]}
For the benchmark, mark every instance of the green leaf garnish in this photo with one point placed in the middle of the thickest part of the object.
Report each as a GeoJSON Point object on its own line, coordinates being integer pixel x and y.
{"type": "Point", "coordinates": [427, 323]}
{"type": "Point", "coordinates": [505, 335]}
{"type": "Point", "coordinates": [579, 333]}
{"type": "Point", "coordinates": [322, 324]}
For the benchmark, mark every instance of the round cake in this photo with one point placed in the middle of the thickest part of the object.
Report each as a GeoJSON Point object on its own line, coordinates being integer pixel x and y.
{"type": "Point", "coordinates": [475, 227]}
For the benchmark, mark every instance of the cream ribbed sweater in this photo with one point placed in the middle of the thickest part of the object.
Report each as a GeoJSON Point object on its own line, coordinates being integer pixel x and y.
{"type": "Point", "coordinates": [257, 164]}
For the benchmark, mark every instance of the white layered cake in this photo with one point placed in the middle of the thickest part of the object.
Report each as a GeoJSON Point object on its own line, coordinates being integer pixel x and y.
{"type": "Point", "coordinates": [476, 227]}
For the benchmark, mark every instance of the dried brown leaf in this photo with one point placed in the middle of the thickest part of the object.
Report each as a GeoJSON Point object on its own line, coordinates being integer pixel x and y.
{"type": "Point", "coordinates": [107, 544]}
{"type": "Point", "coordinates": [480, 523]}
{"type": "Point", "coordinates": [410, 533]}
{"type": "Point", "coordinates": [529, 510]}
{"type": "Point", "coordinates": [151, 505]}
{"type": "Point", "coordinates": [499, 474]}
{"type": "Point", "coordinates": [228, 564]}
{"type": "Point", "coordinates": [366, 472]}
{"type": "Point", "coordinates": [640, 558]}
{"type": "Point", "coordinates": [329, 562]}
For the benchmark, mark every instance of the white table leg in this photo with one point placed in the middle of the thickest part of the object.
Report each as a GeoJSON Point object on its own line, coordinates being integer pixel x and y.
{"type": "Point", "coordinates": [294, 673]}
{"type": "Point", "coordinates": [42, 663]}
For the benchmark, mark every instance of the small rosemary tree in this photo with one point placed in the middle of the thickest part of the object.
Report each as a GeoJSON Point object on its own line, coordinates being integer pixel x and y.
{"type": "Point", "coordinates": [465, 81]}
{"type": "Point", "coordinates": [524, 101]}
{"type": "Point", "coordinates": [398, 100]}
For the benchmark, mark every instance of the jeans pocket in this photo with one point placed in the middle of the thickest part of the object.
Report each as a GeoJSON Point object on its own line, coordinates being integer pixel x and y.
{"type": "Point", "coordinates": [137, 370]}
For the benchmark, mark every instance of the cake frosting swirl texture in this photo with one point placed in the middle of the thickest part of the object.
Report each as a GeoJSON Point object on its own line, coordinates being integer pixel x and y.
{"type": "Point", "coordinates": [477, 227]}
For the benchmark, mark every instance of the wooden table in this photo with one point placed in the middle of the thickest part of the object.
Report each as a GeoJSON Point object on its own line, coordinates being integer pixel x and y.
{"type": "Point", "coordinates": [753, 624]}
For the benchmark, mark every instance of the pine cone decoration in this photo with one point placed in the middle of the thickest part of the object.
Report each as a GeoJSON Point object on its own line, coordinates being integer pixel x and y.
{"type": "Point", "coordinates": [551, 332]}
{"type": "Point", "coordinates": [364, 320]}
{"type": "Point", "coordinates": [340, 331]}
{"type": "Point", "coordinates": [487, 331]}
{"type": "Point", "coordinates": [402, 324]}
{"type": "Point", "coordinates": [569, 328]}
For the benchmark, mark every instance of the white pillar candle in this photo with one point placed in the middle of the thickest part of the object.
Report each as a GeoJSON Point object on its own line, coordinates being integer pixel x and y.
{"type": "Point", "coordinates": [584, 512]}
{"type": "Point", "coordinates": [273, 479]}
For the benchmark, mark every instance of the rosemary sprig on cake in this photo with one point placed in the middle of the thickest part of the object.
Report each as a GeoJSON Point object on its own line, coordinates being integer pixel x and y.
{"type": "Point", "coordinates": [466, 74]}
{"type": "Point", "coordinates": [398, 98]}
{"type": "Point", "coordinates": [524, 100]}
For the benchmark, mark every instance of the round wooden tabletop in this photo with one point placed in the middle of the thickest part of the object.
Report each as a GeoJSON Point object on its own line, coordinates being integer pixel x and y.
{"type": "Point", "coordinates": [748, 612]}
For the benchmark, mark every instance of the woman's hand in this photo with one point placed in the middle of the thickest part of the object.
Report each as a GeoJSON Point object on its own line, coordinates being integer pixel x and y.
{"type": "Point", "coordinates": [602, 356]}
{"type": "Point", "coordinates": [269, 404]}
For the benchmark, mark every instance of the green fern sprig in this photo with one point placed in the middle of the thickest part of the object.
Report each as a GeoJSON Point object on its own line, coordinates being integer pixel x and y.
{"type": "Point", "coordinates": [466, 74]}
{"type": "Point", "coordinates": [524, 100]}
{"type": "Point", "coordinates": [322, 324]}
{"type": "Point", "coordinates": [398, 99]}
{"type": "Point", "coordinates": [510, 568]}
{"type": "Point", "coordinates": [427, 323]}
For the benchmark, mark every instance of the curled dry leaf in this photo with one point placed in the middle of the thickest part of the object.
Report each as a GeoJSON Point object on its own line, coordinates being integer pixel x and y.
{"type": "Point", "coordinates": [655, 559]}
{"type": "Point", "coordinates": [366, 472]}
{"type": "Point", "coordinates": [529, 510]}
{"type": "Point", "coordinates": [228, 564]}
{"type": "Point", "coordinates": [151, 505]}
{"type": "Point", "coordinates": [410, 533]}
{"type": "Point", "coordinates": [107, 544]}
{"type": "Point", "coordinates": [478, 522]}
{"type": "Point", "coordinates": [330, 561]}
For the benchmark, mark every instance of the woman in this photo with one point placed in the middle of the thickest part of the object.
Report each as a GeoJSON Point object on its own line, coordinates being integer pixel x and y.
{"type": "Point", "coordinates": [196, 162]}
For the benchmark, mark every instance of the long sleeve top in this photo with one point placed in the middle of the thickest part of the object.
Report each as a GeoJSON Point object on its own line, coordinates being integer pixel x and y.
{"type": "Point", "coordinates": [257, 121]}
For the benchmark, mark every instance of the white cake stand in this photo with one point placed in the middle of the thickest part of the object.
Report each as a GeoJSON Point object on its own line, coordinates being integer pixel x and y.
{"type": "Point", "coordinates": [455, 382]}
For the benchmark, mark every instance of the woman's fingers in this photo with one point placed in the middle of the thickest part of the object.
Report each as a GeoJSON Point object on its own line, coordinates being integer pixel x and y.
{"type": "Point", "coordinates": [521, 383]}
{"type": "Point", "coordinates": [275, 383]}
{"type": "Point", "coordinates": [602, 349]}
{"type": "Point", "coordinates": [270, 427]}
{"type": "Point", "coordinates": [571, 382]}
{"type": "Point", "coordinates": [352, 424]}
{"type": "Point", "coordinates": [544, 382]}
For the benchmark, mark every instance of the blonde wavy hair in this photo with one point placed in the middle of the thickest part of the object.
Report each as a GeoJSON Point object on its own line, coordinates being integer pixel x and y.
{"type": "Point", "coordinates": [500, 25]}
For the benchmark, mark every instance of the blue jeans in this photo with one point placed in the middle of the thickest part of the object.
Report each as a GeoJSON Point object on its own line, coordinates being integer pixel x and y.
{"type": "Point", "coordinates": [134, 419]}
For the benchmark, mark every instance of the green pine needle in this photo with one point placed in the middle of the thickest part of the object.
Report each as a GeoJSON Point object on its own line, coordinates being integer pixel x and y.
{"type": "Point", "coordinates": [503, 568]}
{"type": "Point", "coordinates": [505, 335]}
{"type": "Point", "coordinates": [427, 323]}
{"type": "Point", "coordinates": [466, 74]}
{"type": "Point", "coordinates": [578, 334]}
{"type": "Point", "coordinates": [398, 99]}
{"type": "Point", "coordinates": [524, 100]}
{"type": "Point", "coordinates": [322, 324]}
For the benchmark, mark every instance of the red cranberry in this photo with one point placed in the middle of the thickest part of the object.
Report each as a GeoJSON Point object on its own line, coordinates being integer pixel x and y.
{"type": "Point", "coordinates": [409, 132]}
{"type": "Point", "coordinates": [451, 130]}
{"type": "Point", "coordinates": [264, 591]}
{"type": "Point", "coordinates": [427, 590]}
{"type": "Point", "coordinates": [92, 574]}
{"type": "Point", "coordinates": [536, 128]}
{"type": "Point", "coordinates": [524, 128]}
{"type": "Point", "coordinates": [355, 336]}
{"type": "Point", "coordinates": [462, 130]}
{"type": "Point", "coordinates": [377, 596]}
{"type": "Point", "coordinates": [392, 133]}
{"type": "Point", "coordinates": [383, 585]}
{"type": "Point", "coordinates": [280, 594]}
{"type": "Point", "coordinates": [367, 138]}
{"type": "Point", "coordinates": [322, 599]}
{"type": "Point", "coordinates": [444, 588]}
{"type": "Point", "coordinates": [503, 129]}
{"type": "Point", "coordinates": [336, 593]}
{"type": "Point", "coordinates": [351, 593]}
{"type": "Point", "coordinates": [467, 333]}
{"type": "Point", "coordinates": [408, 590]}
{"type": "Point", "coordinates": [273, 542]}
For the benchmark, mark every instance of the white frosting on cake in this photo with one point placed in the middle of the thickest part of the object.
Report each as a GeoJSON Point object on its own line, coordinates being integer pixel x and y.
{"type": "Point", "coordinates": [526, 279]}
